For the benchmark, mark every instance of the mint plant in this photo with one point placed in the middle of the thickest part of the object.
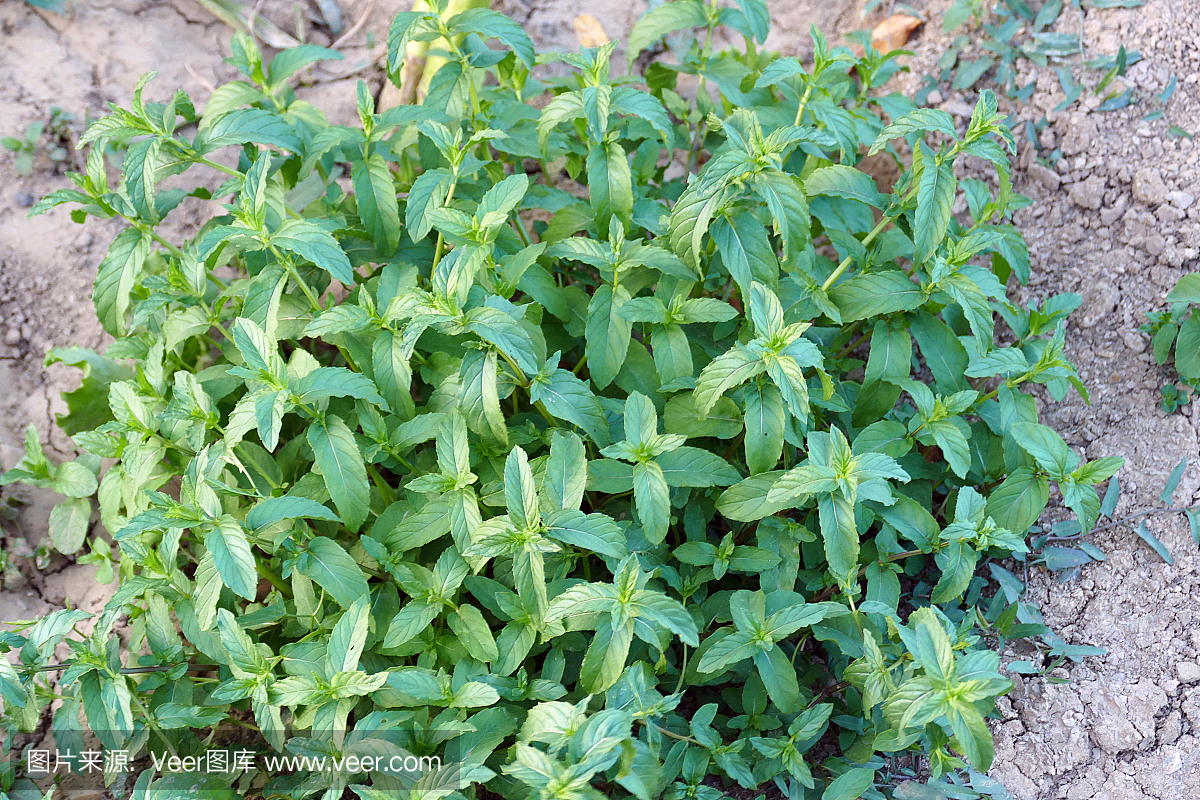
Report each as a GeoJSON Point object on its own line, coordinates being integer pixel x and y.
{"type": "Point", "coordinates": [628, 444]}
{"type": "Point", "coordinates": [1176, 341]}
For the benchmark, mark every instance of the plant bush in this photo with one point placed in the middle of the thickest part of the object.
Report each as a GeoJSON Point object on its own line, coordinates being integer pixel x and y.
{"type": "Point", "coordinates": [561, 420]}
{"type": "Point", "coordinates": [1176, 340]}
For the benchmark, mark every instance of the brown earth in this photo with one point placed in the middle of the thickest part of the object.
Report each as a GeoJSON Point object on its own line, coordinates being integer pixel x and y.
{"type": "Point", "coordinates": [1116, 220]}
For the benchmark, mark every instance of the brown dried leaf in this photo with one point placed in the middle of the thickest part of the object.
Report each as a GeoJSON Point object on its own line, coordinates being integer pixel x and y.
{"type": "Point", "coordinates": [893, 32]}
{"type": "Point", "coordinates": [590, 32]}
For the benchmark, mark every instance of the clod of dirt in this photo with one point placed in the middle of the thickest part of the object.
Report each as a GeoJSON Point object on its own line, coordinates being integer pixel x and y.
{"type": "Point", "coordinates": [1148, 186]}
{"type": "Point", "coordinates": [1181, 200]}
{"type": "Point", "coordinates": [1047, 177]}
{"type": "Point", "coordinates": [1080, 136]}
{"type": "Point", "coordinates": [1124, 716]}
{"type": "Point", "coordinates": [1188, 671]}
{"type": "Point", "coordinates": [1088, 193]}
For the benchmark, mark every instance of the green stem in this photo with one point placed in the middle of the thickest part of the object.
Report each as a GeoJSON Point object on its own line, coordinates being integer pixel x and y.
{"type": "Point", "coordinates": [845, 351]}
{"type": "Point", "coordinates": [812, 81]}
{"type": "Point", "coordinates": [524, 384]}
{"type": "Point", "coordinates": [854, 611]}
{"type": "Point", "coordinates": [701, 89]}
{"type": "Point", "coordinates": [682, 670]}
{"type": "Point", "coordinates": [394, 453]}
{"type": "Point", "coordinates": [149, 231]}
{"type": "Point", "coordinates": [312, 298]}
{"type": "Point", "coordinates": [262, 474]}
{"type": "Point", "coordinates": [233, 173]}
{"type": "Point", "coordinates": [389, 494]}
{"type": "Point", "coordinates": [798, 647]}
{"type": "Point", "coordinates": [266, 573]}
{"type": "Point", "coordinates": [842, 267]}
{"type": "Point", "coordinates": [441, 242]}
{"type": "Point", "coordinates": [519, 224]}
{"type": "Point", "coordinates": [457, 52]}
{"type": "Point", "coordinates": [145, 712]}
{"type": "Point", "coordinates": [828, 593]}
{"type": "Point", "coordinates": [666, 732]}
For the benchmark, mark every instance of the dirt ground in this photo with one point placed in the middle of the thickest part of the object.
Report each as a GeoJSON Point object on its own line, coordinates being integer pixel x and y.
{"type": "Point", "coordinates": [1116, 220]}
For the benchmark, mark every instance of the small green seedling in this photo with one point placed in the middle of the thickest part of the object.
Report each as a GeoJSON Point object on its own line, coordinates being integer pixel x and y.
{"type": "Point", "coordinates": [26, 148]}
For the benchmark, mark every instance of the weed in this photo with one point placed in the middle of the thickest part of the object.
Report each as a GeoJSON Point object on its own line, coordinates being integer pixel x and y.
{"type": "Point", "coordinates": [24, 149]}
{"type": "Point", "coordinates": [58, 133]}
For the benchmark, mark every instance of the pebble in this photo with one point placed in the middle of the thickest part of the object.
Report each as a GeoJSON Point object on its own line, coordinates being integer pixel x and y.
{"type": "Point", "coordinates": [12, 337]}
{"type": "Point", "coordinates": [1188, 671]}
{"type": "Point", "coordinates": [1168, 213]}
{"type": "Point", "coordinates": [1044, 175]}
{"type": "Point", "coordinates": [1080, 136]}
{"type": "Point", "coordinates": [1148, 186]}
{"type": "Point", "coordinates": [1099, 298]}
{"type": "Point", "coordinates": [24, 199]}
{"type": "Point", "coordinates": [1181, 200]}
{"type": "Point", "coordinates": [1088, 193]}
{"type": "Point", "coordinates": [934, 98]}
{"type": "Point", "coordinates": [958, 108]}
{"type": "Point", "coordinates": [1110, 215]}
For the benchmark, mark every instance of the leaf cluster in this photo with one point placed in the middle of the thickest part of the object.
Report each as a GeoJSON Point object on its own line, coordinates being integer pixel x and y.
{"type": "Point", "coordinates": [1176, 341]}
{"type": "Point", "coordinates": [606, 436]}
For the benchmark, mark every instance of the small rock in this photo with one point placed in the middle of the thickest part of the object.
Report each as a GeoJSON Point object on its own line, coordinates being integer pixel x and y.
{"type": "Point", "coordinates": [78, 583]}
{"type": "Point", "coordinates": [24, 199]}
{"type": "Point", "coordinates": [1188, 671]}
{"type": "Point", "coordinates": [1099, 298]}
{"type": "Point", "coordinates": [957, 108]}
{"type": "Point", "coordinates": [12, 337]}
{"type": "Point", "coordinates": [1044, 175]}
{"type": "Point", "coordinates": [1082, 790]}
{"type": "Point", "coordinates": [1148, 186]}
{"type": "Point", "coordinates": [1134, 341]}
{"type": "Point", "coordinates": [1181, 200]}
{"type": "Point", "coordinates": [934, 98]}
{"type": "Point", "coordinates": [1088, 193]}
{"type": "Point", "coordinates": [1080, 136]}
{"type": "Point", "coordinates": [1168, 214]}
{"type": "Point", "coordinates": [1114, 212]}
{"type": "Point", "coordinates": [1170, 730]}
